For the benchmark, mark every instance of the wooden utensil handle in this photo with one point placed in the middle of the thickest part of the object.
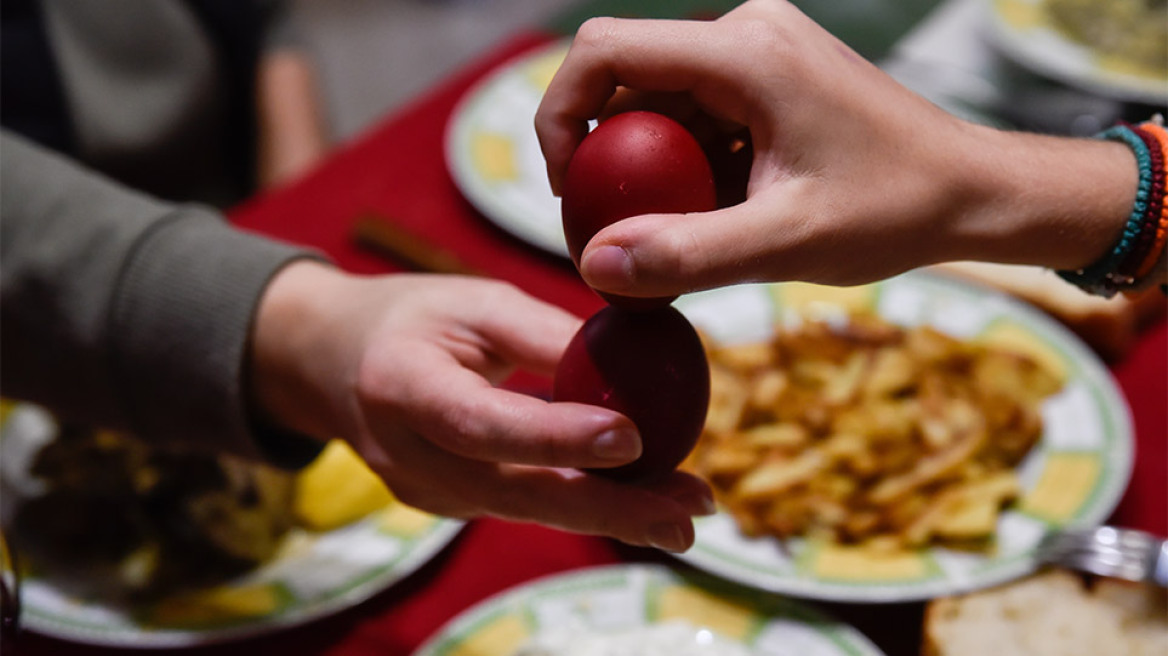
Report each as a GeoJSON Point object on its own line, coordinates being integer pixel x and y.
{"type": "Point", "coordinates": [383, 237]}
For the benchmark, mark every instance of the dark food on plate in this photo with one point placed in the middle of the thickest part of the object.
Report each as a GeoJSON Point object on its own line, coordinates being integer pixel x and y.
{"type": "Point", "coordinates": [649, 366]}
{"type": "Point", "coordinates": [124, 520]}
{"type": "Point", "coordinates": [869, 433]}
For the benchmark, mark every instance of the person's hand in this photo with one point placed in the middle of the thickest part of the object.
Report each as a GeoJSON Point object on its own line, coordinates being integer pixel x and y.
{"type": "Point", "coordinates": [404, 368]}
{"type": "Point", "coordinates": [854, 177]}
{"type": "Point", "coordinates": [291, 127]}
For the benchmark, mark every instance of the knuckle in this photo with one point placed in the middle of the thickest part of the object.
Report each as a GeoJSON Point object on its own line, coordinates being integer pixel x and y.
{"type": "Point", "coordinates": [372, 382]}
{"type": "Point", "coordinates": [684, 256]}
{"type": "Point", "coordinates": [498, 290]}
{"type": "Point", "coordinates": [489, 296]}
{"type": "Point", "coordinates": [424, 499]}
{"type": "Point", "coordinates": [766, 38]}
{"type": "Point", "coordinates": [463, 430]}
{"type": "Point", "coordinates": [596, 32]}
{"type": "Point", "coordinates": [547, 449]}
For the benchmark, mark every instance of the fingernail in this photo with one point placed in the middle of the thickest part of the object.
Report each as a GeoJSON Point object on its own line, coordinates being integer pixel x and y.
{"type": "Point", "coordinates": [619, 444]}
{"type": "Point", "coordinates": [608, 267]}
{"type": "Point", "coordinates": [667, 537]}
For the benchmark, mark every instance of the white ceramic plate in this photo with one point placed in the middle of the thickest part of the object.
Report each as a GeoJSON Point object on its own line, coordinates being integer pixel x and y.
{"type": "Point", "coordinates": [1075, 474]}
{"type": "Point", "coordinates": [622, 598]}
{"type": "Point", "coordinates": [315, 574]}
{"type": "Point", "coordinates": [494, 156]}
{"type": "Point", "coordinates": [1025, 33]}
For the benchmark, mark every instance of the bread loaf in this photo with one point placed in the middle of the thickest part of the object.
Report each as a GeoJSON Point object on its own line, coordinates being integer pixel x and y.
{"type": "Point", "coordinates": [1051, 614]}
{"type": "Point", "coordinates": [1110, 326]}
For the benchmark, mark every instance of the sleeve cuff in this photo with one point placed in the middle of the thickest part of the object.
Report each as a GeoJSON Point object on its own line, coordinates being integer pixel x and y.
{"type": "Point", "coordinates": [180, 328]}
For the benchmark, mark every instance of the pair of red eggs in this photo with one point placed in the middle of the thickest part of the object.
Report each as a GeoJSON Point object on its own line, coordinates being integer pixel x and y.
{"type": "Point", "coordinates": [638, 356]}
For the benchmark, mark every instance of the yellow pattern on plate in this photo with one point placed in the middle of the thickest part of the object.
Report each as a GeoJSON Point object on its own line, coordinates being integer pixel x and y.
{"type": "Point", "coordinates": [501, 636]}
{"type": "Point", "coordinates": [810, 299]}
{"type": "Point", "coordinates": [494, 157]}
{"type": "Point", "coordinates": [1066, 482]}
{"type": "Point", "coordinates": [859, 563]}
{"type": "Point", "coordinates": [1021, 14]}
{"type": "Point", "coordinates": [541, 70]}
{"type": "Point", "coordinates": [1016, 338]}
{"type": "Point", "coordinates": [716, 613]}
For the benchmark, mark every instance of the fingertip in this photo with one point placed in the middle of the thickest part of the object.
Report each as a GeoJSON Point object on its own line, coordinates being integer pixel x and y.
{"type": "Point", "coordinates": [693, 493]}
{"type": "Point", "coordinates": [674, 537]}
{"type": "Point", "coordinates": [698, 504]}
{"type": "Point", "coordinates": [559, 134]}
{"type": "Point", "coordinates": [555, 180]}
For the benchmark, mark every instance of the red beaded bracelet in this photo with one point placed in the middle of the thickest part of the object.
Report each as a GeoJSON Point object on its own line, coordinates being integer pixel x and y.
{"type": "Point", "coordinates": [1144, 242]}
{"type": "Point", "coordinates": [1156, 252]}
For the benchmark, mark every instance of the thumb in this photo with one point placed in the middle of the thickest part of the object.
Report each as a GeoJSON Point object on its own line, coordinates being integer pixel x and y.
{"type": "Point", "coordinates": [670, 254]}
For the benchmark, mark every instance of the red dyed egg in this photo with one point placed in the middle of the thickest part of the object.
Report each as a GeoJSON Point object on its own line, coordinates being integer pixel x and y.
{"type": "Point", "coordinates": [649, 366]}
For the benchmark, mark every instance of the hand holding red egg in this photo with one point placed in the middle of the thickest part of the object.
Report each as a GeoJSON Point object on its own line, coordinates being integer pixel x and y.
{"type": "Point", "coordinates": [633, 163]}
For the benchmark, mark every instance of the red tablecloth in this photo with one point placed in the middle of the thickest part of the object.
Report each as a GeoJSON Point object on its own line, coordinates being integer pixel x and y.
{"type": "Point", "coordinates": [397, 171]}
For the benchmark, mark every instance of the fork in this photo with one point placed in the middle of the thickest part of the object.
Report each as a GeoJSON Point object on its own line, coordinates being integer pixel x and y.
{"type": "Point", "coordinates": [1108, 551]}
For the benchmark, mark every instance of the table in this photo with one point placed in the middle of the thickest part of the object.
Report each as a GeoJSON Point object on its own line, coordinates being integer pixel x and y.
{"type": "Point", "coordinates": [397, 172]}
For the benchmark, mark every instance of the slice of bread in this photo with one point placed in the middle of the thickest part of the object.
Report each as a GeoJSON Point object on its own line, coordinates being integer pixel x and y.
{"type": "Point", "coordinates": [1054, 613]}
{"type": "Point", "coordinates": [1110, 326]}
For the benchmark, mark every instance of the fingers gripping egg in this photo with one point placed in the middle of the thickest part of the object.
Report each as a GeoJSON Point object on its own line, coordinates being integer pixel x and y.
{"type": "Point", "coordinates": [633, 163]}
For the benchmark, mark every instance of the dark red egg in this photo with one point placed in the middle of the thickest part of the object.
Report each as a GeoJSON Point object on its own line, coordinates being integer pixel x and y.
{"type": "Point", "coordinates": [633, 163]}
{"type": "Point", "coordinates": [649, 366]}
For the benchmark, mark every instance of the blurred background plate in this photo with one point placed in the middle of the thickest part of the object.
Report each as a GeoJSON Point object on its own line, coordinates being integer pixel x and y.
{"type": "Point", "coordinates": [625, 598]}
{"type": "Point", "coordinates": [494, 156]}
{"type": "Point", "coordinates": [1027, 32]}
{"type": "Point", "coordinates": [1075, 474]}
{"type": "Point", "coordinates": [315, 571]}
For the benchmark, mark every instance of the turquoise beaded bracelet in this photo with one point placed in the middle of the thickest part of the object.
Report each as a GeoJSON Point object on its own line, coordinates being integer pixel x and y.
{"type": "Point", "coordinates": [1101, 277]}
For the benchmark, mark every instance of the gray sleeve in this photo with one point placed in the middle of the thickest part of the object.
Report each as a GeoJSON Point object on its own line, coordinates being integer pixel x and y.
{"type": "Point", "coordinates": [122, 311]}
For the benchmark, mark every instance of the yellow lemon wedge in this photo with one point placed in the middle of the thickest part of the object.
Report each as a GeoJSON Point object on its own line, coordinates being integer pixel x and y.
{"type": "Point", "coordinates": [338, 488]}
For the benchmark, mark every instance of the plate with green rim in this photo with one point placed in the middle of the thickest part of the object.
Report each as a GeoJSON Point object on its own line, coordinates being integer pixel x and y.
{"type": "Point", "coordinates": [493, 154]}
{"type": "Point", "coordinates": [619, 600]}
{"type": "Point", "coordinates": [1075, 474]}
{"type": "Point", "coordinates": [314, 574]}
{"type": "Point", "coordinates": [1027, 32]}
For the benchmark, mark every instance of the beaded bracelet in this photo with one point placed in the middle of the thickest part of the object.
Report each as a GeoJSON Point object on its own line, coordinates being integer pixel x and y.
{"type": "Point", "coordinates": [1114, 271]}
{"type": "Point", "coordinates": [1157, 252]}
{"type": "Point", "coordinates": [1147, 235]}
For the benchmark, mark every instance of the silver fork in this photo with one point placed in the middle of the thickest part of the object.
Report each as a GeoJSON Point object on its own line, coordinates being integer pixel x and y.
{"type": "Point", "coordinates": [1107, 551]}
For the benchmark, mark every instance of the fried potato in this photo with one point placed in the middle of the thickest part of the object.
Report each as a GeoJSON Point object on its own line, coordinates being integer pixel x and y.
{"type": "Point", "coordinates": [869, 433]}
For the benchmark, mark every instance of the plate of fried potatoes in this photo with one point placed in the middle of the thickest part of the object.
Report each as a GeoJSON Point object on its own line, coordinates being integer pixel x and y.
{"type": "Point", "coordinates": [898, 441]}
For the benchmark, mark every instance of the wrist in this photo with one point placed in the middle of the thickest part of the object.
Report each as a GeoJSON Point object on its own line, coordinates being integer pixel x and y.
{"type": "Point", "coordinates": [1048, 201]}
{"type": "Point", "coordinates": [291, 359]}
